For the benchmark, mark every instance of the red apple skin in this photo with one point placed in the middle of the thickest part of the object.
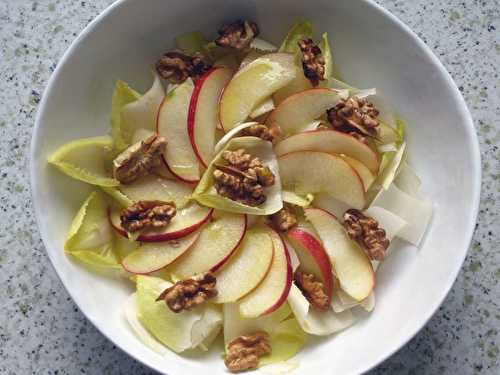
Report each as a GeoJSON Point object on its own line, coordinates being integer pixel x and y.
{"type": "Point", "coordinates": [316, 250]}
{"type": "Point", "coordinates": [160, 237]}
{"type": "Point", "coordinates": [289, 278]}
{"type": "Point", "coordinates": [192, 112]}
{"type": "Point", "coordinates": [228, 256]}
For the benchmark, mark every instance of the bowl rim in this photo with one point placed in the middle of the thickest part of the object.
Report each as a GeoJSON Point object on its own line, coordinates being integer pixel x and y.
{"type": "Point", "coordinates": [461, 108]}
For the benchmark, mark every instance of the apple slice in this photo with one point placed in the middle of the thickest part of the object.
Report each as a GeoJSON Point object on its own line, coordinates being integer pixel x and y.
{"type": "Point", "coordinates": [299, 83]}
{"type": "Point", "coordinates": [246, 268]}
{"type": "Point", "coordinates": [151, 257]}
{"type": "Point", "coordinates": [313, 257]}
{"type": "Point", "coordinates": [172, 125]}
{"type": "Point", "coordinates": [185, 222]}
{"type": "Point", "coordinates": [362, 170]}
{"type": "Point", "coordinates": [154, 187]}
{"type": "Point", "coordinates": [272, 292]}
{"type": "Point", "coordinates": [203, 114]}
{"type": "Point", "coordinates": [310, 172]}
{"type": "Point", "coordinates": [297, 111]}
{"type": "Point", "coordinates": [332, 142]}
{"type": "Point", "coordinates": [217, 242]}
{"type": "Point", "coordinates": [352, 266]}
{"type": "Point", "coordinates": [252, 84]}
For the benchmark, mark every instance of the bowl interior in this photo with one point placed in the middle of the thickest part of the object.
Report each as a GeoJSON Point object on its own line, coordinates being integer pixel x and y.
{"type": "Point", "coordinates": [371, 49]}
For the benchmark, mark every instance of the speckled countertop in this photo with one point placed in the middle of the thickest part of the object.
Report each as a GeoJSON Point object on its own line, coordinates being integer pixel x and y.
{"type": "Point", "coordinates": [42, 331]}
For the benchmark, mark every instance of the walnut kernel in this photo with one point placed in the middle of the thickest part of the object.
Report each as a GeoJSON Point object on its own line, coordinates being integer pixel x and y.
{"type": "Point", "coordinates": [139, 159]}
{"type": "Point", "coordinates": [284, 219]}
{"type": "Point", "coordinates": [237, 35]}
{"type": "Point", "coordinates": [177, 66]}
{"type": "Point", "coordinates": [189, 293]}
{"type": "Point", "coordinates": [262, 131]}
{"type": "Point", "coordinates": [243, 352]}
{"type": "Point", "coordinates": [147, 214]}
{"type": "Point", "coordinates": [312, 62]}
{"type": "Point", "coordinates": [313, 290]}
{"type": "Point", "coordinates": [366, 232]}
{"type": "Point", "coordinates": [354, 116]}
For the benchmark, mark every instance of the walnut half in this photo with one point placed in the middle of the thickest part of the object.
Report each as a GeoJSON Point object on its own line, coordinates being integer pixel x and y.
{"type": "Point", "coordinates": [284, 219]}
{"type": "Point", "coordinates": [312, 62]}
{"type": "Point", "coordinates": [366, 232]}
{"type": "Point", "coordinates": [189, 293]}
{"type": "Point", "coordinates": [176, 67]}
{"type": "Point", "coordinates": [139, 159]}
{"type": "Point", "coordinates": [354, 116]}
{"type": "Point", "coordinates": [147, 214]}
{"type": "Point", "coordinates": [237, 35]}
{"type": "Point", "coordinates": [313, 290]}
{"type": "Point", "coordinates": [269, 134]}
{"type": "Point", "coordinates": [243, 179]}
{"type": "Point", "coordinates": [243, 352]}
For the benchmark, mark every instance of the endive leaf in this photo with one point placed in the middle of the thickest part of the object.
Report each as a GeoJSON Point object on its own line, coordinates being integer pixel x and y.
{"type": "Point", "coordinates": [90, 237]}
{"type": "Point", "coordinates": [122, 96]}
{"type": "Point", "coordinates": [86, 160]}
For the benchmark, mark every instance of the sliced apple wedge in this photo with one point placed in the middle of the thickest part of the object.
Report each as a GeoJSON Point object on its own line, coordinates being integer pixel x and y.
{"type": "Point", "coordinates": [297, 111]}
{"type": "Point", "coordinates": [246, 268]}
{"type": "Point", "coordinates": [217, 242]}
{"type": "Point", "coordinates": [298, 84]}
{"type": "Point", "coordinates": [185, 222]}
{"type": "Point", "coordinates": [362, 170]}
{"type": "Point", "coordinates": [252, 84]}
{"type": "Point", "coordinates": [310, 172]}
{"type": "Point", "coordinates": [313, 257]}
{"type": "Point", "coordinates": [272, 292]}
{"type": "Point", "coordinates": [332, 142]}
{"type": "Point", "coordinates": [151, 257]}
{"type": "Point", "coordinates": [172, 125]}
{"type": "Point", "coordinates": [352, 266]}
{"type": "Point", "coordinates": [203, 115]}
{"type": "Point", "coordinates": [153, 187]}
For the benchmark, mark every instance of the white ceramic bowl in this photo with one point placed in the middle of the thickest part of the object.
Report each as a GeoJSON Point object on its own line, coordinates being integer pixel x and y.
{"type": "Point", "coordinates": [372, 49]}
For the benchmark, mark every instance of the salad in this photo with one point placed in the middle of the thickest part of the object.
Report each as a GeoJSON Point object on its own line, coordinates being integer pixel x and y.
{"type": "Point", "coordinates": [249, 195]}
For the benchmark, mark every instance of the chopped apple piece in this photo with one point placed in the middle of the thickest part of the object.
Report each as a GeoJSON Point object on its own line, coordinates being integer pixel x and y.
{"type": "Point", "coordinates": [252, 84]}
{"type": "Point", "coordinates": [332, 142]}
{"type": "Point", "coordinates": [153, 187]}
{"type": "Point", "coordinates": [203, 114]}
{"type": "Point", "coordinates": [246, 268]}
{"type": "Point", "coordinates": [186, 221]}
{"type": "Point", "coordinates": [151, 257]}
{"type": "Point", "coordinates": [297, 111]}
{"type": "Point", "coordinates": [351, 265]}
{"type": "Point", "coordinates": [262, 108]}
{"type": "Point", "coordinates": [298, 84]}
{"type": "Point", "coordinates": [217, 242]}
{"type": "Point", "coordinates": [272, 292]}
{"type": "Point", "coordinates": [310, 172]}
{"type": "Point", "coordinates": [313, 257]}
{"type": "Point", "coordinates": [172, 125]}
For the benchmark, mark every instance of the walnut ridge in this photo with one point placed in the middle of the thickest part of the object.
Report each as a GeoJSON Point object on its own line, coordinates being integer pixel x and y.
{"type": "Point", "coordinates": [312, 62]}
{"type": "Point", "coordinates": [243, 352]}
{"type": "Point", "coordinates": [237, 35]}
{"type": "Point", "coordinates": [139, 159]}
{"type": "Point", "coordinates": [313, 290]}
{"type": "Point", "coordinates": [147, 214]}
{"type": "Point", "coordinates": [177, 66]}
{"type": "Point", "coordinates": [366, 232]}
{"type": "Point", "coordinates": [189, 293]}
{"type": "Point", "coordinates": [243, 179]}
{"type": "Point", "coordinates": [354, 116]}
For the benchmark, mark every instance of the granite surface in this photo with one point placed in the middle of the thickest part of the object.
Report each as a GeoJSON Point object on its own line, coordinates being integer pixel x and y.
{"type": "Point", "coordinates": [42, 331]}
